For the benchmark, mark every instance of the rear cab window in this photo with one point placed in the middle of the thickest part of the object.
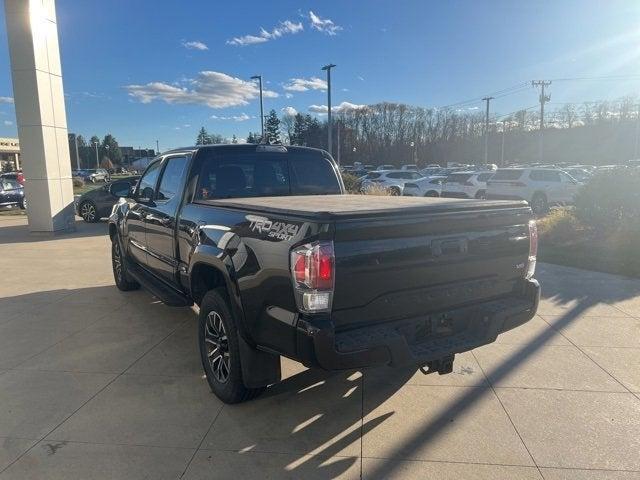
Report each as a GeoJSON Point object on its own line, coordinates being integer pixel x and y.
{"type": "Point", "coordinates": [240, 173]}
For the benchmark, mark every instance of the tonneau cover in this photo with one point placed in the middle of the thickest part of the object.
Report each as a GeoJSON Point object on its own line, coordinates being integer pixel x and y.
{"type": "Point", "coordinates": [355, 205]}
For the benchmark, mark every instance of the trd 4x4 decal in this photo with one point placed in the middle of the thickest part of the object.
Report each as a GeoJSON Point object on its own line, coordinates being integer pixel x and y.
{"type": "Point", "coordinates": [276, 230]}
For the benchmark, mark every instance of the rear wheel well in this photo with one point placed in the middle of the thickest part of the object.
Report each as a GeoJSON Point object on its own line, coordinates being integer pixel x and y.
{"type": "Point", "coordinates": [204, 278]}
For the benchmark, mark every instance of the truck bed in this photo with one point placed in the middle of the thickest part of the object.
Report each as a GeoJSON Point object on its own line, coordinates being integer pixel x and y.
{"type": "Point", "coordinates": [326, 207]}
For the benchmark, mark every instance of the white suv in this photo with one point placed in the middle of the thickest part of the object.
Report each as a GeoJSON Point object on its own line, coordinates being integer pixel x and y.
{"type": "Point", "coordinates": [391, 180]}
{"type": "Point", "coordinates": [541, 187]}
{"type": "Point", "coordinates": [424, 187]}
{"type": "Point", "coordinates": [466, 185]}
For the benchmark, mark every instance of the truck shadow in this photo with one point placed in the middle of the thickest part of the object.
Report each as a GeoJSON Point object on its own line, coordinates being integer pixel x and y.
{"type": "Point", "coordinates": [312, 423]}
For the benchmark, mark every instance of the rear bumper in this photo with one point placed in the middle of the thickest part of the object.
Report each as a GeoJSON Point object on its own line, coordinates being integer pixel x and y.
{"type": "Point", "coordinates": [415, 341]}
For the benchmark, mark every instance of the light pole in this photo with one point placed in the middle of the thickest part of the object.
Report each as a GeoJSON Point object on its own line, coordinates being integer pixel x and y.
{"type": "Point", "coordinates": [158, 147]}
{"type": "Point", "coordinates": [502, 147]}
{"type": "Point", "coordinates": [259, 78]}
{"type": "Point", "coordinates": [95, 144]}
{"type": "Point", "coordinates": [413, 152]}
{"type": "Point", "coordinates": [328, 68]}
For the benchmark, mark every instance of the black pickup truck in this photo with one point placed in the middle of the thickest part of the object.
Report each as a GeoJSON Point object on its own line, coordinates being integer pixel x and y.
{"type": "Point", "coordinates": [281, 261]}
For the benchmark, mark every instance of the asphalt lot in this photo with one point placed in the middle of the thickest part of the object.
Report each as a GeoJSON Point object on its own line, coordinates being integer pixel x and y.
{"type": "Point", "coordinates": [95, 383]}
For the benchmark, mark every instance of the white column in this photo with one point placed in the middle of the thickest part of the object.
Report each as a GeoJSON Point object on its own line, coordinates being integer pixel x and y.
{"type": "Point", "coordinates": [40, 113]}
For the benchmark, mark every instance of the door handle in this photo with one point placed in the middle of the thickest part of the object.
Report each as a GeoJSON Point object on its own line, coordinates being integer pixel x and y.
{"type": "Point", "coordinates": [166, 221]}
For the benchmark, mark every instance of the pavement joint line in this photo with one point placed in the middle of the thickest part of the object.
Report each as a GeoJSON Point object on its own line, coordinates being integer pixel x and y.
{"type": "Point", "coordinates": [507, 413]}
{"type": "Point", "coordinates": [461, 462]}
{"type": "Point", "coordinates": [195, 452]}
{"type": "Point", "coordinates": [116, 444]}
{"type": "Point", "coordinates": [591, 359]}
{"type": "Point", "coordinates": [361, 421]}
{"type": "Point", "coordinates": [116, 377]}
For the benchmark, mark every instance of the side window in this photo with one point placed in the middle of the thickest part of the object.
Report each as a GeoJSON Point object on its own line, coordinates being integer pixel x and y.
{"type": "Point", "coordinates": [147, 185]}
{"type": "Point", "coordinates": [483, 177]}
{"type": "Point", "coordinates": [120, 189]}
{"type": "Point", "coordinates": [171, 178]}
{"type": "Point", "coordinates": [553, 176]}
{"type": "Point", "coordinates": [395, 175]}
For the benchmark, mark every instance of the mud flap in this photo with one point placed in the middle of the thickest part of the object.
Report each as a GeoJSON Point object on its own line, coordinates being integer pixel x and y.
{"type": "Point", "coordinates": [259, 368]}
{"type": "Point", "coordinates": [442, 365]}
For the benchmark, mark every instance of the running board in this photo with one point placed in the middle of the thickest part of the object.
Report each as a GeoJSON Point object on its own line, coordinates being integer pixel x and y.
{"type": "Point", "coordinates": [165, 294]}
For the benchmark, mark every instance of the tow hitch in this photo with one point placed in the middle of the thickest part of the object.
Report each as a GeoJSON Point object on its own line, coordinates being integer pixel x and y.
{"type": "Point", "coordinates": [442, 365]}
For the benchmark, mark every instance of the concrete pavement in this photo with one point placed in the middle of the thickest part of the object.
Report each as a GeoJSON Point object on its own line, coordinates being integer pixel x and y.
{"type": "Point", "coordinates": [95, 383]}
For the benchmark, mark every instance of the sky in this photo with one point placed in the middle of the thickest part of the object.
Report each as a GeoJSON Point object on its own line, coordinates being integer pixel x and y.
{"type": "Point", "coordinates": [147, 70]}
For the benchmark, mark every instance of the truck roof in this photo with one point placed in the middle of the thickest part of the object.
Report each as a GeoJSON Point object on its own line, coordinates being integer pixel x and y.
{"type": "Point", "coordinates": [334, 206]}
{"type": "Point", "coordinates": [241, 147]}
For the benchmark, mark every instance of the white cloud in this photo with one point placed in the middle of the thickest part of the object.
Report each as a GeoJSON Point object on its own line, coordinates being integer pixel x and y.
{"type": "Point", "coordinates": [360, 78]}
{"type": "Point", "coordinates": [283, 28]}
{"type": "Point", "coordinates": [324, 25]}
{"type": "Point", "coordinates": [8, 123]}
{"type": "Point", "coordinates": [213, 89]}
{"type": "Point", "coordinates": [290, 111]}
{"type": "Point", "coordinates": [6, 99]}
{"type": "Point", "coordinates": [236, 118]}
{"type": "Point", "coordinates": [304, 84]}
{"type": "Point", "coordinates": [195, 45]}
{"type": "Point", "coordinates": [343, 107]}
{"type": "Point", "coordinates": [288, 95]}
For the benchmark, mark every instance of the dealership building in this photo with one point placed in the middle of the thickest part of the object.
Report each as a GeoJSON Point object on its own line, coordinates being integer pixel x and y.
{"type": "Point", "coordinates": [9, 154]}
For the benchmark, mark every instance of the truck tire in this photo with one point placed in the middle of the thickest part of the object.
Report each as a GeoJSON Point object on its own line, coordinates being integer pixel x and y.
{"type": "Point", "coordinates": [481, 195]}
{"type": "Point", "coordinates": [431, 193]}
{"type": "Point", "coordinates": [123, 281]}
{"type": "Point", "coordinates": [394, 191]}
{"type": "Point", "coordinates": [220, 351]}
{"type": "Point", "coordinates": [539, 204]}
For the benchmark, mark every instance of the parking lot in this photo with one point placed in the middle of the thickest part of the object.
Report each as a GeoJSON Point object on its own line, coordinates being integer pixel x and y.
{"type": "Point", "coordinates": [96, 383]}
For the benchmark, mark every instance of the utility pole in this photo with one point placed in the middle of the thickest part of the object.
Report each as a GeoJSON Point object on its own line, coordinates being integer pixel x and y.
{"type": "Point", "coordinates": [259, 78]}
{"type": "Point", "coordinates": [338, 151]}
{"type": "Point", "coordinates": [328, 68]}
{"type": "Point", "coordinates": [97, 160]}
{"type": "Point", "coordinates": [635, 156]}
{"type": "Point", "coordinates": [543, 99]}
{"type": "Point", "coordinates": [502, 147]}
{"type": "Point", "coordinates": [486, 130]}
{"type": "Point", "coordinates": [158, 147]}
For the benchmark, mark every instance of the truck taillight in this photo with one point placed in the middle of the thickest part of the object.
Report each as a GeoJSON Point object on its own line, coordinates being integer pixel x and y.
{"type": "Point", "coordinates": [533, 249]}
{"type": "Point", "coordinates": [312, 271]}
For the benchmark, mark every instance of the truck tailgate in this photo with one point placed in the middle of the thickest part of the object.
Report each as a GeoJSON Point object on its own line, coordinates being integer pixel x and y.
{"type": "Point", "coordinates": [396, 265]}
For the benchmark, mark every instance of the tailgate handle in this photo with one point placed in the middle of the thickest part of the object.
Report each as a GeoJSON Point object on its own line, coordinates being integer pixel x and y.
{"type": "Point", "coordinates": [449, 246]}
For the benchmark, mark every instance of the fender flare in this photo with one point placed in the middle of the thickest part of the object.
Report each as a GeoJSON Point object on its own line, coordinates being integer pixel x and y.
{"type": "Point", "coordinates": [218, 259]}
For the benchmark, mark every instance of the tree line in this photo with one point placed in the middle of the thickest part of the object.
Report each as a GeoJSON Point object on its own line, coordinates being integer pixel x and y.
{"type": "Point", "coordinates": [393, 133]}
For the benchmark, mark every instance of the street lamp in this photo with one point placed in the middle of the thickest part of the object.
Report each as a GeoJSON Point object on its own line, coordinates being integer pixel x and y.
{"type": "Point", "coordinates": [259, 78]}
{"type": "Point", "coordinates": [328, 68]}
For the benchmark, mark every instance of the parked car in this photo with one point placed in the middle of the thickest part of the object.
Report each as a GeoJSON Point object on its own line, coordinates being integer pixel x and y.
{"type": "Point", "coordinates": [281, 262]}
{"type": "Point", "coordinates": [466, 185]}
{"type": "Point", "coordinates": [391, 180]}
{"type": "Point", "coordinates": [17, 176]}
{"type": "Point", "coordinates": [98, 203]}
{"type": "Point", "coordinates": [385, 167]}
{"type": "Point", "coordinates": [410, 166]}
{"type": "Point", "coordinates": [424, 187]}
{"type": "Point", "coordinates": [540, 187]}
{"type": "Point", "coordinates": [580, 174]}
{"type": "Point", "coordinates": [93, 176]}
{"type": "Point", "coordinates": [11, 193]}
